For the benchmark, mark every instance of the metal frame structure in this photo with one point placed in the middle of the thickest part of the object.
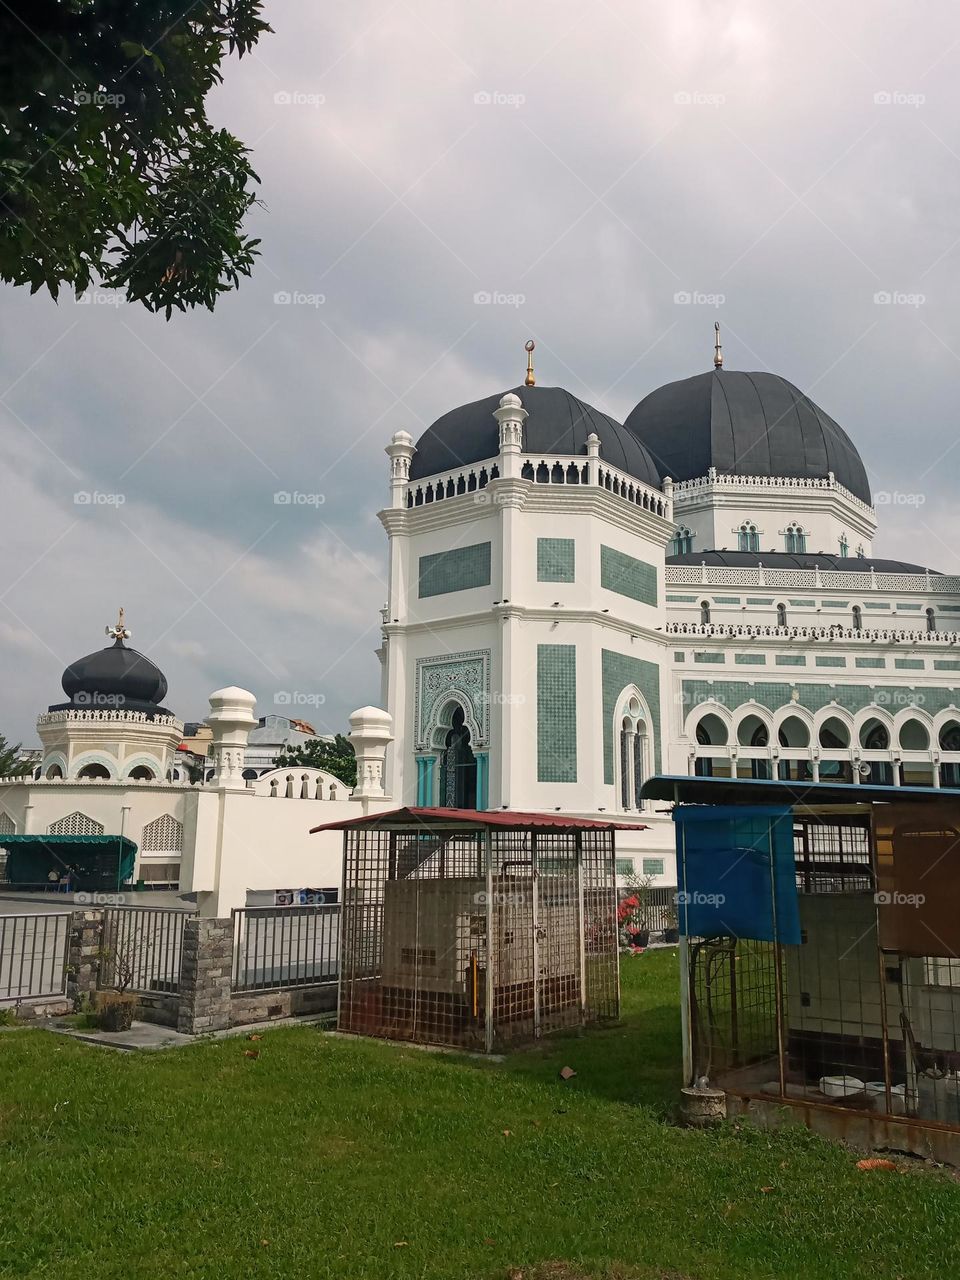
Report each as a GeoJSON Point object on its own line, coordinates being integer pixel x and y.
{"type": "Point", "coordinates": [477, 930]}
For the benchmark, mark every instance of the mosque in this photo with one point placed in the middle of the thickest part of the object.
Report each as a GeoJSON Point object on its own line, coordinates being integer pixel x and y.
{"type": "Point", "coordinates": [574, 605]}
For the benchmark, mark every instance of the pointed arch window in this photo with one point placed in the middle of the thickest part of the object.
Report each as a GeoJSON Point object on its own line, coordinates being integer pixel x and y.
{"type": "Point", "coordinates": [748, 537]}
{"type": "Point", "coordinates": [857, 618]}
{"type": "Point", "coordinates": [632, 723]}
{"type": "Point", "coordinates": [704, 613]}
{"type": "Point", "coordinates": [931, 619]}
{"type": "Point", "coordinates": [781, 615]}
{"type": "Point", "coordinates": [795, 539]}
{"type": "Point", "coordinates": [682, 543]}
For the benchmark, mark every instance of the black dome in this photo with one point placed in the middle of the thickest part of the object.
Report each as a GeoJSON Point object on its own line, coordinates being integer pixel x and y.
{"type": "Point", "coordinates": [557, 423]}
{"type": "Point", "coordinates": [748, 424]}
{"type": "Point", "coordinates": [115, 678]}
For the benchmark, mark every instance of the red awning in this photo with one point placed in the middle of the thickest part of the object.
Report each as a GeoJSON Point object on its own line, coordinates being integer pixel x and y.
{"type": "Point", "coordinates": [412, 817]}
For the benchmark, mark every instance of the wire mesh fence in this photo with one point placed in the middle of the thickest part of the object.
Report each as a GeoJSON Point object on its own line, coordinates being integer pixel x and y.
{"type": "Point", "coordinates": [477, 937]}
{"type": "Point", "coordinates": [33, 955]}
{"type": "Point", "coordinates": [277, 947]}
{"type": "Point", "coordinates": [141, 949]}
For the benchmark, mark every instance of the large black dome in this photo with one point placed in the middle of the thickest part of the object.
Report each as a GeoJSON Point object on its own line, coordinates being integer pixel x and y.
{"type": "Point", "coordinates": [115, 678]}
{"type": "Point", "coordinates": [557, 423]}
{"type": "Point", "coordinates": [749, 424]}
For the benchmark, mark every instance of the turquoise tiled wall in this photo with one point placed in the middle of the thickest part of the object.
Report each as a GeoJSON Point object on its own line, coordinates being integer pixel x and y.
{"type": "Point", "coordinates": [749, 659]}
{"type": "Point", "coordinates": [830, 661]}
{"type": "Point", "coordinates": [627, 577]}
{"type": "Point", "coordinates": [618, 670]}
{"type": "Point", "coordinates": [455, 570]}
{"type": "Point", "coordinates": [718, 658]}
{"type": "Point", "coordinates": [871, 664]}
{"type": "Point", "coordinates": [556, 713]}
{"type": "Point", "coordinates": [908, 664]}
{"type": "Point", "coordinates": [946, 665]}
{"type": "Point", "coordinates": [791, 660]}
{"type": "Point", "coordinates": [556, 559]}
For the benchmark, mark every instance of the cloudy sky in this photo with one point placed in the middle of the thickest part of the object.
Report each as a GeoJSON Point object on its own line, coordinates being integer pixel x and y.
{"type": "Point", "coordinates": [616, 174]}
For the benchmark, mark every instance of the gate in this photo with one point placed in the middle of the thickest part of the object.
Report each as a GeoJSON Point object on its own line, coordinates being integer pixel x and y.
{"type": "Point", "coordinates": [33, 955]}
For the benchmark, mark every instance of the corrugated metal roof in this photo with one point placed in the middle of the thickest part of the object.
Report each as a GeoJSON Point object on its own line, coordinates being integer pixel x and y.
{"type": "Point", "coordinates": [413, 817]}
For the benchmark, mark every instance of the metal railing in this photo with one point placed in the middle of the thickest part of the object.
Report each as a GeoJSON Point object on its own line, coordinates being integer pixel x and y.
{"type": "Point", "coordinates": [276, 947]}
{"type": "Point", "coordinates": [33, 955]}
{"type": "Point", "coordinates": [141, 948]}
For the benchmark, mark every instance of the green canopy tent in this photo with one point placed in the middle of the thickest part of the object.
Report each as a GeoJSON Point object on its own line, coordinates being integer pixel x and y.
{"type": "Point", "coordinates": [90, 862]}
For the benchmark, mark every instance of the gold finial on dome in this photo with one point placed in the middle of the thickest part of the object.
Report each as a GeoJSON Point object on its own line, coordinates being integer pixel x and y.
{"type": "Point", "coordinates": [529, 380]}
{"type": "Point", "coordinates": [119, 630]}
{"type": "Point", "coordinates": [717, 348]}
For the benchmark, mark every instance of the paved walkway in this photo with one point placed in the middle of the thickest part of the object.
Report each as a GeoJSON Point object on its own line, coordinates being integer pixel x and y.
{"type": "Point", "coordinates": [150, 1036]}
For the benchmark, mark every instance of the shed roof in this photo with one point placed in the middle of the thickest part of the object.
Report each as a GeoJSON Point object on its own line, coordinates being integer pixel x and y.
{"type": "Point", "coordinates": [416, 817]}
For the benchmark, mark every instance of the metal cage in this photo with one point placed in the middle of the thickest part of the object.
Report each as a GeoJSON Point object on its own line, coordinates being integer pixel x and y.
{"type": "Point", "coordinates": [475, 934]}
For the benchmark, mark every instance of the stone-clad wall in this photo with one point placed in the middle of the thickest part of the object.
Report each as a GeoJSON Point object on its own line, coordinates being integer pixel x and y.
{"type": "Point", "coordinates": [205, 975]}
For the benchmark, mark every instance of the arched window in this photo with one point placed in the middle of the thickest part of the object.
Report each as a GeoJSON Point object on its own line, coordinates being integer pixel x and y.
{"type": "Point", "coordinates": [795, 539]}
{"type": "Point", "coordinates": [793, 732]}
{"type": "Point", "coordinates": [682, 542]}
{"type": "Point", "coordinates": [844, 546]}
{"type": "Point", "coordinates": [857, 618]}
{"type": "Point", "coordinates": [834, 733]}
{"type": "Point", "coordinates": [748, 538]}
{"type": "Point", "coordinates": [781, 615]}
{"type": "Point", "coordinates": [94, 771]}
{"type": "Point", "coordinates": [711, 731]}
{"type": "Point", "coordinates": [874, 736]}
{"type": "Point", "coordinates": [633, 753]}
{"type": "Point", "coordinates": [458, 766]}
{"type": "Point", "coordinates": [931, 620]}
{"type": "Point", "coordinates": [142, 773]}
{"type": "Point", "coordinates": [54, 771]}
{"type": "Point", "coordinates": [704, 613]}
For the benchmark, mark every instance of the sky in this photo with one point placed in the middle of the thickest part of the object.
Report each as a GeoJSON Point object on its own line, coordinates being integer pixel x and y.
{"type": "Point", "coordinates": [439, 183]}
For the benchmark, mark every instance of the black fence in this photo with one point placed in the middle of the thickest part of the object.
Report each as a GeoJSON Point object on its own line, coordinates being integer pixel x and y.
{"type": "Point", "coordinates": [141, 948]}
{"type": "Point", "coordinates": [276, 947]}
{"type": "Point", "coordinates": [33, 955]}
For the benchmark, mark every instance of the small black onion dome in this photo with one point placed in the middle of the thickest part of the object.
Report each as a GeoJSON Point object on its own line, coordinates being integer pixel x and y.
{"type": "Point", "coordinates": [557, 423]}
{"type": "Point", "coordinates": [745, 424]}
{"type": "Point", "coordinates": [115, 678]}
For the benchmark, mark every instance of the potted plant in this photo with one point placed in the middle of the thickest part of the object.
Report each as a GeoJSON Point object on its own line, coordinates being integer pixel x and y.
{"type": "Point", "coordinates": [117, 1005]}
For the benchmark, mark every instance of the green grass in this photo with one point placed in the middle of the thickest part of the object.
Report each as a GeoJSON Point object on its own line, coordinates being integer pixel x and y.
{"type": "Point", "coordinates": [335, 1158]}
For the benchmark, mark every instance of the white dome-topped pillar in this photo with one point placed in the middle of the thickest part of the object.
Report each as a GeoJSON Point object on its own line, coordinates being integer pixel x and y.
{"type": "Point", "coordinates": [371, 734]}
{"type": "Point", "coordinates": [231, 718]}
{"type": "Point", "coordinates": [511, 416]}
{"type": "Point", "coordinates": [400, 451]}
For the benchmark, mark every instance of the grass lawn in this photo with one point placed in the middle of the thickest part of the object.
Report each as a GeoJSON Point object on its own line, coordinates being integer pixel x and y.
{"type": "Point", "coordinates": [334, 1158]}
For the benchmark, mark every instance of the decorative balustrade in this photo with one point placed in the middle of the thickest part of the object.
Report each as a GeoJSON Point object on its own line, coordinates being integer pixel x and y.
{"type": "Point", "coordinates": [756, 631]}
{"type": "Point", "coordinates": [714, 481]}
{"type": "Point", "coordinates": [555, 470]}
{"type": "Point", "coordinates": [838, 579]}
{"type": "Point", "coordinates": [114, 714]}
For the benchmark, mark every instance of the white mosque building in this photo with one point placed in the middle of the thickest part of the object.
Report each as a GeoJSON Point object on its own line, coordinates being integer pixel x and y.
{"type": "Point", "coordinates": [575, 604]}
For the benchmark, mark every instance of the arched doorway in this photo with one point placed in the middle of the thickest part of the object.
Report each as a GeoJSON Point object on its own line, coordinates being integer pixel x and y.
{"type": "Point", "coordinates": [458, 766]}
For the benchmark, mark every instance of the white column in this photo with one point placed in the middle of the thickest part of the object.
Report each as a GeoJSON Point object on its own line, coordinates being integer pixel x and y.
{"type": "Point", "coordinates": [400, 451]}
{"type": "Point", "coordinates": [231, 718]}
{"type": "Point", "coordinates": [370, 733]}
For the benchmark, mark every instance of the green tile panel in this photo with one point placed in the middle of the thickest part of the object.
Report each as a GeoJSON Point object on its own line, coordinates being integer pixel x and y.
{"type": "Point", "coordinates": [791, 660]}
{"type": "Point", "coordinates": [802, 604]}
{"type": "Point", "coordinates": [759, 599]}
{"type": "Point", "coordinates": [627, 577]}
{"type": "Point", "coordinates": [908, 664]}
{"type": "Point", "coordinates": [914, 608]}
{"type": "Point", "coordinates": [725, 599]}
{"type": "Point", "coordinates": [750, 659]}
{"type": "Point", "coordinates": [679, 657]}
{"type": "Point", "coordinates": [618, 670]}
{"type": "Point", "coordinates": [459, 569]}
{"type": "Point", "coordinates": [556, 713]}
{"type": "Point", "coordinates": [944, 664]}
{"type": "Point", "coordinates": [830, 661]}
{"type": "Point", "coordinates": [681, 599]}
{"type": "Point", "coordinates": [876, 604]}
{"type": "Point", "coordinates": [556, 560]}
{"type": "Point", "coordinates": [717, 658]}
{"type": "Point", "coordinates": [871, 664]}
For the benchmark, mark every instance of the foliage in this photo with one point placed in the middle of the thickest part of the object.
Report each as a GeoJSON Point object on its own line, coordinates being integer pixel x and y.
{"type": "Point", "coordinates": [13, 763]}
{"type": "Point", "coordinates": [8, 1017]}
{"type": "Point", "coordinates": [110, 171]}
{"type": "Point", "coordinates": [346, 1159]}
{"type": "Point", "coordinates": [335, 757]}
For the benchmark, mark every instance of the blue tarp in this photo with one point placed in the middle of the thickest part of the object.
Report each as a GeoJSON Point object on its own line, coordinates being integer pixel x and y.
{"type": "Point", "coordinates": [735, 873]}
